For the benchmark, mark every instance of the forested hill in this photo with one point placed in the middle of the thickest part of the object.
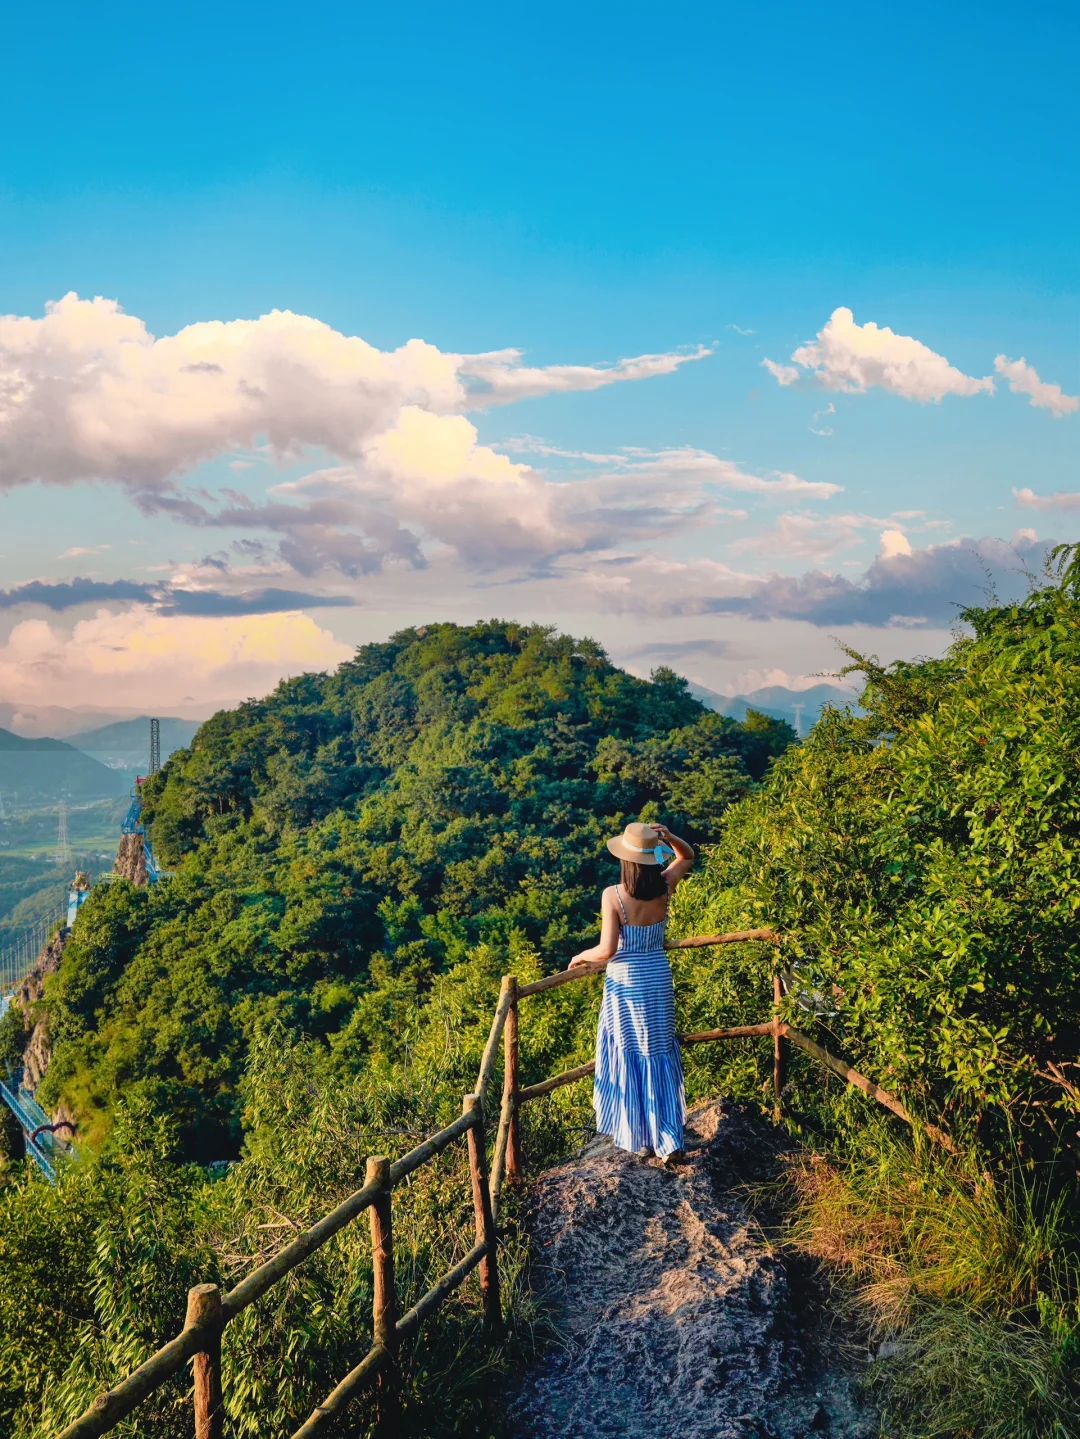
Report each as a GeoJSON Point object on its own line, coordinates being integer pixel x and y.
{"type": "Point", "coordinates": [340, 842]}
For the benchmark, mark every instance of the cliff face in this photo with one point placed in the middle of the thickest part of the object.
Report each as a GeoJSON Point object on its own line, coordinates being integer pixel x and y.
{"type": "Point", "coordinates": [38, 1049]}
{"type": "Point", "coordinates": [131, 859]}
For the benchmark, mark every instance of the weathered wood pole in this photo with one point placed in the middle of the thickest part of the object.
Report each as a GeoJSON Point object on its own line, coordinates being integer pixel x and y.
{"type": "Point", "coordinates": [485, 1223]}
{"type": "Point", "coordinates": [779, 1063]}
{"type": "Point", "coordinates": [514, 1165]}
{"type": "Point", "coordinates": [384, 1302]}
{"type": "Point", "coordinates": [204, 1312]}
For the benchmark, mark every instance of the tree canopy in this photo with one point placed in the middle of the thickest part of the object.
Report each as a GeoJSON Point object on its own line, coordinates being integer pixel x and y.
{"type": "Point", "coordinates": [360, 832]}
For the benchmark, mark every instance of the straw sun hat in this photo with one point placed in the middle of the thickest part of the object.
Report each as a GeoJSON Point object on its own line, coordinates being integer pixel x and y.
{"type": "Point", "coordinates": [640, 844]}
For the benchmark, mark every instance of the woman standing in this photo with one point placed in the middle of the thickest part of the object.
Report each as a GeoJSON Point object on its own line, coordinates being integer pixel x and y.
{"type": "Point", "coordinates": [638, 1089]}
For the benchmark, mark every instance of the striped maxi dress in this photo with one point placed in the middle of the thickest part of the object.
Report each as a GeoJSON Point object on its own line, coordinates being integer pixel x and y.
{"type": "Point", "coordinates": [638, 1091]}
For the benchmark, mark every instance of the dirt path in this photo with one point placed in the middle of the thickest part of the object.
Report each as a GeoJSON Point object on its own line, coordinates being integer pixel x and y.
{"type": "Point", "coordinates": [676, 1317]}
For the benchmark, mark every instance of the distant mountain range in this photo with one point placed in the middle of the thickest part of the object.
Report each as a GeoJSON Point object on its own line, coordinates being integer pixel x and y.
{"type": "Point", "coordinates": [39, 721]}
{"type": "Point", "coordinates": [125, 744]}
{"type": "Point", "coordinates": [800, 708]}
{"type": "Point", "coordinates": [42, 771]}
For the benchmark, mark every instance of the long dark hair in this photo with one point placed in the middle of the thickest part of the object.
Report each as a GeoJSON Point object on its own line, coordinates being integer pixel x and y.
{"type": "Point", "coordinates": [643, 881]}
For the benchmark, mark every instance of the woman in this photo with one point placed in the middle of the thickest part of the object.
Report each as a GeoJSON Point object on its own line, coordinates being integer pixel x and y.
{"type": "Point", "coordinates": [638, 1090]}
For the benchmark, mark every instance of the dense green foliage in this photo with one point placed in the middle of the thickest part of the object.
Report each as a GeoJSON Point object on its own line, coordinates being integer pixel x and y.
{"type": "Point", "coordinates": [94, 1272]}
{"type": "Point", "coordinates": [340, 842]}
{"type": "Point", "coordinates": [923, 860]}
{"type": "Point", "coordinates": [358, 858]}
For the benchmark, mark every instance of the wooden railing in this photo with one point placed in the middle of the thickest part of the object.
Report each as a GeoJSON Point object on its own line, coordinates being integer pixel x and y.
{"type": "Point", "coordinates": [209, 1311]}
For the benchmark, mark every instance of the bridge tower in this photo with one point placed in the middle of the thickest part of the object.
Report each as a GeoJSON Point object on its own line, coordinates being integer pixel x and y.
{"type": "Point", "coordinates": [155, 746]}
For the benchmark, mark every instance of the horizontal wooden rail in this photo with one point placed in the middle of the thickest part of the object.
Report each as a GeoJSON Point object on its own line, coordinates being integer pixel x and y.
{"type": "Point", "coordinates": [115, 1404]}
{"type": "Point", "coordinates": [430, 1147]}
{"type": "Point", "coordinates": [200, 1338]}
{"type": "Point", "coordinates": [776, 1029]}
{"type": "Point", "coordinates": [534, 1091]}
{"type": "Point", "coordinates": [597, 966]}
{"type": "Point", "coordinates": [860, 1081]}
{"type": "Point", "coordinates": [255, 1285]}
{"type": "Point", "coordinates": [738, 1031]}
{"type": "Point", "coordinates": [409, 1323]}
{"type": "Point", "coordinates": [736, 936]}
{"type": "Point", "coordinates": [563, 976]}
{"type": "Point", "coordinates": [369, 1367]}
{"type": "Point", "coordinates": [376, 1357]}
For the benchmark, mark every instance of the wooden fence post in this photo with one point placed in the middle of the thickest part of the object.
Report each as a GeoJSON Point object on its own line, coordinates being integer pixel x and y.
{"type": "Point", "coordinates": [779, 1053]}
{"type": "Point", "coordinates": [514, 1166]}
{"type": "Point", "coordinates": [384, 1303]}
{"type": "Point", "coordinates": [485, 1224]}
{"type": "Point", "coordinates": [204, 1310]}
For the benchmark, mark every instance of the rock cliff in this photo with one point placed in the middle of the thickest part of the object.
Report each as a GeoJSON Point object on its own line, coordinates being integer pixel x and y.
{"type": "Point", "coordinates": [131, 859]}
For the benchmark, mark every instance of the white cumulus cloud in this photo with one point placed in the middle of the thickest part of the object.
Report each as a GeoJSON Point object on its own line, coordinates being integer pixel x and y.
{"type": "Point", "coordinates": [1024, 380]}
{"type": "Point", "coordinates": [854, 358]}
{"type": "Point", "coordinates": [87, 391]}
{"type": "Point", "coordinates": [893, 543]}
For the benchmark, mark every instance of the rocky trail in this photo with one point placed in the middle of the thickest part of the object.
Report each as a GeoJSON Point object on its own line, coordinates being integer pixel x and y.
{"type": "Point", "coordinates": [674, 1314]}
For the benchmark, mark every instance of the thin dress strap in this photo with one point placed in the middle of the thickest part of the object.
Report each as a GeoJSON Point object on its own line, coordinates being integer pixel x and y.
{"type": "Point", "coordinates": [622, 906]}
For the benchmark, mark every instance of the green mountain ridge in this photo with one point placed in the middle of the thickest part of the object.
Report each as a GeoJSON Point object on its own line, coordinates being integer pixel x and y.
{"type": "Point", "coordinates": [451, 787]}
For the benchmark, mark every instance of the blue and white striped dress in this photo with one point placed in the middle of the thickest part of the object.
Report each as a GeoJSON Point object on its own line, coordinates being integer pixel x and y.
{"type": "Point", "coordinates": [638, 1090]}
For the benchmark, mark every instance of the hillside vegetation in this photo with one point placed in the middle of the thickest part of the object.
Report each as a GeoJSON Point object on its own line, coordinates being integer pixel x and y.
{"type": "Point", "coordinates": [360, 856]}
{"type": "Point", "coordinates": [341, 842]}
{"type": "Point", "coordinates": [922, 860]}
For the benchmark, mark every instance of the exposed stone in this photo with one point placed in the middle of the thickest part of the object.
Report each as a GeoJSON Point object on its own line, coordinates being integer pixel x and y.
{"type": "Point", "coordinates": [38, 1050]}
{"type": "Point", "coordinates": [130, 860]}
{"type": "Point", "coordinates": [675, 1314]}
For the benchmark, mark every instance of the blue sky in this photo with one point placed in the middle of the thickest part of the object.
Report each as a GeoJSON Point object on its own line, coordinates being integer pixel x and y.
{"type": "Point", "coordinates": [585, 185]}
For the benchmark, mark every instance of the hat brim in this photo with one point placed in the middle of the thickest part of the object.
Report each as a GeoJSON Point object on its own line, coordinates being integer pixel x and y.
{"type": "Point", "coordinates": [621, 850]}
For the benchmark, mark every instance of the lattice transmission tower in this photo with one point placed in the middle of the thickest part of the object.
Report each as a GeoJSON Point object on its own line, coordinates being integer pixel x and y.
{"type": "Point", "coordinates": [155, 746]}
{"type": "Point", "coordinates": [63, 844]}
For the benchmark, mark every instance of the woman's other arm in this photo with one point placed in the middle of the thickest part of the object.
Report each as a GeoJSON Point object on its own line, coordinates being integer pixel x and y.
{"type": "Point", "coordinates": [610, 925]}
{"type": "Point", "coordinates": [684, 855]}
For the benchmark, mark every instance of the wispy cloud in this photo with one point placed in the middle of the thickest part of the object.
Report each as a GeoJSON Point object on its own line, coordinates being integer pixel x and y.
{"type": "Point", "coordinates": [165, 599]}
{"type": "Point", "coordinates": [923, 587]}
{"type": "Point", "coordinates": [1059, 500]}
{"type": "Point", "coordinates": [1024, 380]}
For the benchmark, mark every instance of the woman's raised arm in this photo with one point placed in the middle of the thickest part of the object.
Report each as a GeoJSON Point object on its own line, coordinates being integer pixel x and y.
{"type": "Point", "coordinates": [684, 855]}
